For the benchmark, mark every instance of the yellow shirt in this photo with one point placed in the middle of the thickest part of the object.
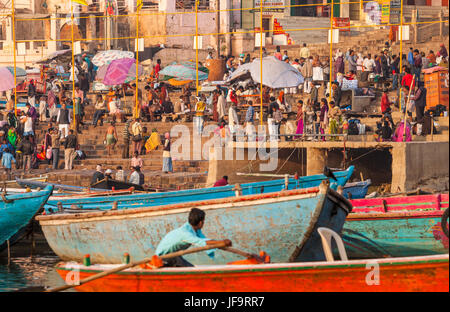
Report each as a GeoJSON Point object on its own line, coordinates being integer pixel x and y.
{"type": "Point", "coordinates": [200, 109]}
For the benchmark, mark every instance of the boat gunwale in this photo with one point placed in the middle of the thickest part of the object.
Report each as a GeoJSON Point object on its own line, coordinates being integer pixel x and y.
{"type": "Point", "coordinates": [227, 200]}
{"type": "Point", "coordinates": [255, 268]}
{"type": "Point", "coordinates": [339, 174]}
{"type": "Point", "coordinates": [357, 216]}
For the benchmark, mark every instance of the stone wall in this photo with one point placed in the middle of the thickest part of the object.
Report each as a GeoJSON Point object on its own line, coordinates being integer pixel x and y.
{"type": "Point", "coordinates": [416, 162]}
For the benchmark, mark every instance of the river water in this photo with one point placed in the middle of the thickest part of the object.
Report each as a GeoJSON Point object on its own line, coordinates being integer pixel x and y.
{"type": "Point", "coordinates": [28, 273]}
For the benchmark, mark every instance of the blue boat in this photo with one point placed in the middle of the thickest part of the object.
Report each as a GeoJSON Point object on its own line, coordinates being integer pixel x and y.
{"type": "Point", "coordinates": [64, 187]}
{"type": "Point", "coordinates": [283, 224]}
{"type": "Point", "coordinates": [184, 196]}
{"type": "Point", "coordinates": [16, 211]}
{"type": "Point", "coordinates": [356, 190]}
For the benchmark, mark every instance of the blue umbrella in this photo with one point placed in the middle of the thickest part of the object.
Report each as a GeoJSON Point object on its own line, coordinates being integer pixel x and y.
{"type": "Point", "coordinates": [184, 71]}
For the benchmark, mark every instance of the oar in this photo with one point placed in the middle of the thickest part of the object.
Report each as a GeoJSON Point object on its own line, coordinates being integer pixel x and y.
{"type": "Point", "coordinates": [132, 264]}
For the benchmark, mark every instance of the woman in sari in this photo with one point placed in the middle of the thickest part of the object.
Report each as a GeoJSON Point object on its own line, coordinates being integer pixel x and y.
{"type": "Point", "coordinates": [334, 116]}
{"type": "Point", "coordinates": [299, 119]}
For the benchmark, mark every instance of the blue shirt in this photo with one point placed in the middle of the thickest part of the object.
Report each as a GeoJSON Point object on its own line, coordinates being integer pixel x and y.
{"type": "Point", "coordinates": [250, 114]}
{"type": "Point", "coordinates": [7, 158]}
{"type": "Point", "coordinates": [182, 238]}
{"type": "Point", "coordinates": [410, 58]}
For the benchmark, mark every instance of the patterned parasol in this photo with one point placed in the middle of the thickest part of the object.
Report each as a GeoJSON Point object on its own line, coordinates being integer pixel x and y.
{"type": "Point", "coordinates": [106, 57]}
{"type": "Point", "coordinates": [121, 71]}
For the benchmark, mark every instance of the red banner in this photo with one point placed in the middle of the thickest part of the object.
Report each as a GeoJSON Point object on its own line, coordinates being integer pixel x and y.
{"type": "Point", "coordinates": [340, 22]}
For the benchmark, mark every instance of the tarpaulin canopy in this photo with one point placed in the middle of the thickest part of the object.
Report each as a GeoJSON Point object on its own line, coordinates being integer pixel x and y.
{"type": "Point", "coordinates": [184, 71]}
{"type": "Point", "coordinates": [275, 73]}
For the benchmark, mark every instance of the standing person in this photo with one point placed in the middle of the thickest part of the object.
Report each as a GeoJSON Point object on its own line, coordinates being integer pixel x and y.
{"type": "Point", "coordinates": [31, 93]}
{"type": "Point", "coordinates": [69, 150]}
{"type": "Point", "coordinates": [323, 117]}
{"type": "Point", "coordinates": [339, 66]}
{"type": "Point", "coordinates": [42, 109]}
{"type": "Point", "coordinates": [385, 102]}
{"type": "Point", "coordinates": [277, 54]}
{"type": "Point", "coordinates": [84, 86]}
{"type": "Point", "coordinates": [249, 118]}
{"type": "Point", "coordinates": [199, 115]}
{"type": "Point", "coordinates": [278, 117]}
{"type": "Point", "coordinates": [183, 237]}
{"type": "Point", "coordinates": [417, 65]}
{"type": "Point", "coordinates": [157, 69]}
{"type": "Point", "coordinates": [167, 158]}
{"type": "Point", "coordinates": [64, 119]}
{"type": "Point", "coordinates": [273, 106]}
{"type": "Point", "coordinates": [139, 100]}
{"type": "Point", "coordinates": [359, 66]}
{"type": "Point", "coordinates": [136, 132]}
{"type": "Point", "coordinates": [233, 121]}
{"type": "Point", "coordinates": [395, 71]}
{"type": "Point", "coordinates": [27, 149]}
{"type": "Point", "coordinates": [111, 137]}
{"type": "Point", "coordinates": [307, 72]}
{"type": "Point", "coordinates": [136, 161]}
{"type": "Point", "coordinates": [100, 110]}
{"type": "Point", "coordinates": [419, 98]}
{"type": "Point", "coordinates": [7, 158]}
{"type": "Point", "coordinates": [299, 119]}
{"type": "Point", "coordinates": [334, 116]}
{"type": "Point", "coordinates": [78, 113]}
{"type": "Point", "coordinates": [126, 139]}
{"type": "Point", "coordinates": [304, 52]}
{"type": "Point", "coordinates": [221, 104]}
{"type": "Point", "coordinates": [352, 61]}
{"type": "Point", "coordinates": [215, 102]}
{"type": "Point", "coordinates": [56, 145]}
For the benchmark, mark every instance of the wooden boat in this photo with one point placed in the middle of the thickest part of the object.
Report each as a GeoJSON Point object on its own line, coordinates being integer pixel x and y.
{"type": "Point", "coordinates": [183, 196]}
{"type": "Point", "coordinates": [396, 227]}
{"type": "Point", "coordinates": [12, 183]}
{"type": "Point", "coordinates": [16, 211]}
{"type": "Point", "coordinates": [34, 184]}
{"type": "Point", "coordinates": [281, 223]}
{"type": "Point", "coordinates": [409, 274]}
{"type": "Point", "coordinates": [356, 190]}
{"type": "Point", "coordinates": [111, 184]}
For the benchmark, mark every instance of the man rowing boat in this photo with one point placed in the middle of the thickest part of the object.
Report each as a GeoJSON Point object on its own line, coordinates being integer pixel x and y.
{"type": "Point", "coordinates": [183, 237]}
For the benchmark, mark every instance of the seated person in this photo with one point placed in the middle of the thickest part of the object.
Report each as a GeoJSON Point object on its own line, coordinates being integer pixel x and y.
{"type": "Point", "coordinates": [167, 107]}
{"type": "Point", "coordinates": [221, 182]}
{"type": "Point", "coordinates": [350, 75]}
{"type": "Point", "coordinates": [183, 237]}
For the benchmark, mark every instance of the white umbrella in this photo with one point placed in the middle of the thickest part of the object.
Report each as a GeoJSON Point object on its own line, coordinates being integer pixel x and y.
{"type": "Point", "coordinates": [275, 73]}
{"type": "Point", "coordinates": [106, 57]}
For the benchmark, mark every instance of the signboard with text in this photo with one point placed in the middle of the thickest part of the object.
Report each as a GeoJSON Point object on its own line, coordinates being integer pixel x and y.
{"type": "Point", "coordinates": [343, 23]}
{"type": "Point", "coordinates": [272, 6]}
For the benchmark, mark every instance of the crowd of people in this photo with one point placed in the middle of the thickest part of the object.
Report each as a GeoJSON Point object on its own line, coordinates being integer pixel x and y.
{"type": "Point", "coordinates": [311, 111]}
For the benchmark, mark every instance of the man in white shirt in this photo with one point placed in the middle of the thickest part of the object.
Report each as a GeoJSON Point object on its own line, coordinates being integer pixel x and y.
{"type": "Point", "coordinates": [134, 177]}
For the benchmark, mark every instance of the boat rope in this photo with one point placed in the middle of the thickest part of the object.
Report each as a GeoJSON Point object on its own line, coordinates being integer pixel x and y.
{"type": "Point", "coordinates": [7, 201]}
{"type": "Point", "coordinates": [377, 148]}
{"type": "Point", "coordinates": [287, 159]}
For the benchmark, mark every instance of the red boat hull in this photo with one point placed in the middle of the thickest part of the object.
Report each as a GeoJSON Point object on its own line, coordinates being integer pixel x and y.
{"type": "Point", "coordinates": [413, 274]}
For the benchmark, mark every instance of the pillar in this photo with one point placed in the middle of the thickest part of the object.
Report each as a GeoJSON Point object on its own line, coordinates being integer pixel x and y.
{"type": "Point", "coordinates": [414, 26]}
{"type": "Point", "coordinates": [225, 22]}
{"type": "Point", "coordinates": [316, 160]}
{"type": "Point", "coordinates": [345, 10]}
{"type": "Point", "coordinates": [167, 6]}
{"type": "Point", "coordinates": [54, 34]}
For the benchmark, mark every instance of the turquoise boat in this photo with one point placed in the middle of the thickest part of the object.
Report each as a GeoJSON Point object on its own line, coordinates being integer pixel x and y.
{"type": "Point", "coordinates": [396, 227]}
{"type": "Point", "coordinates": [16, 211]}
{"type": "Point", "coordinates": [184, 196]}
{"type": "Point", "coordinates": [283, 224]}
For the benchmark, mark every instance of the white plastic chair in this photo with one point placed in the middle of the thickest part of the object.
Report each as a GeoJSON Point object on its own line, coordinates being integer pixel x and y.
{"type": "Point", "coordinates": [326, 234]}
